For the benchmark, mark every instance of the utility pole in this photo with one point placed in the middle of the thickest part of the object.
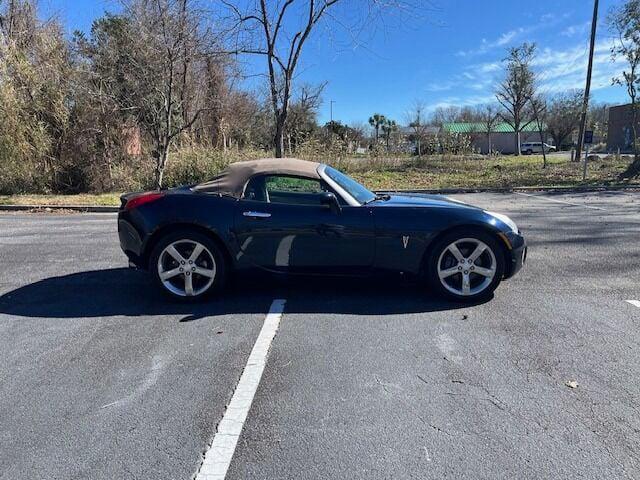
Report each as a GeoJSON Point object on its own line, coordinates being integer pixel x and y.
{"type": "Point", "coordinates": [331, 102]}
{"type": "Point", "coordinates": [585, 102]}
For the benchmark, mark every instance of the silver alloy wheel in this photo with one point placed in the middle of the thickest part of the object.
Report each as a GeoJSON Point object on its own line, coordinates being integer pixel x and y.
{"type": "Point", "coordinates": [467, 267]}
{"type": "Point", "coordinates": [186, 268]}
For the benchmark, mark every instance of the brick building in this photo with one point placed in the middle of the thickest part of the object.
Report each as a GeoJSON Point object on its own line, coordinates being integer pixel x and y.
{"type": "Point", "coordinates": [620, 132]}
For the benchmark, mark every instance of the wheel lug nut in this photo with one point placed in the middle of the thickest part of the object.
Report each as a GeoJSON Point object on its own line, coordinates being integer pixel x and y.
{"type": "Point", "coordinates": [188, 273]}
{"type": "Point", "coordinates": [193, 269]}
{"type": "Point", "coordinates": [182, 262]}
{"type": "Point", "coordinates": [190, 262]}
{"type": "Point", "coordinates": [459, 268]}
{"type": "Point", "coordinates": [181, 269]}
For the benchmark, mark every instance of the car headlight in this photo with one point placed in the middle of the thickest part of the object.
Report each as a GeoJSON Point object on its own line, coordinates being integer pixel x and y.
{"type": "Point", "coordinates": [504, 219]}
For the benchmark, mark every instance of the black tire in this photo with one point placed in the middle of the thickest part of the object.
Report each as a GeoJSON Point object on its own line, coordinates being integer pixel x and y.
{"type": "Point", "coordinates": [217, 263]}
{"type": "Point", "coordinates": [435, 256]}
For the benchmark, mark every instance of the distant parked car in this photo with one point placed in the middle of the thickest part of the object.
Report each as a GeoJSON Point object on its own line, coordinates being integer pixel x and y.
{"type": "Point", "coordinates": [535, 147]}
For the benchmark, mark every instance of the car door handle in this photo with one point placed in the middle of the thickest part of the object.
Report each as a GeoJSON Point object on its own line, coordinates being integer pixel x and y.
{"type": "Point", "coordinates": [256, 214]}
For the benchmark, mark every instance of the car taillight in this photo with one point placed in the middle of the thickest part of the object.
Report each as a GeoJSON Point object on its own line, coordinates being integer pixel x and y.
{"type": "Point", "coordinates": [142, 199]}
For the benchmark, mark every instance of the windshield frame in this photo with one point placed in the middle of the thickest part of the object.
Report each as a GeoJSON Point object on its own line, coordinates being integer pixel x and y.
{"type": "Point", "coordinates": [352, 197]}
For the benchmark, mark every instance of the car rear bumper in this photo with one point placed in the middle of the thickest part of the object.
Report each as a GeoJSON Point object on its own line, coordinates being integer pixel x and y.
{"type": "Point", "coordinates": [517, 254]}
{"type": "Point", "coordinates": [131, 243]}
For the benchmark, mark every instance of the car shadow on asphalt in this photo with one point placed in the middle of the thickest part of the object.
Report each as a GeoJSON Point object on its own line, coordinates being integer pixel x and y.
{"type": "Point", "coordinates": [122, 291]}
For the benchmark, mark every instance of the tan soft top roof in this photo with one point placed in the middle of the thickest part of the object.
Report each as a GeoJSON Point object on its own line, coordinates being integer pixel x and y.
{"type": "Point", "coordinates": [231, 180]}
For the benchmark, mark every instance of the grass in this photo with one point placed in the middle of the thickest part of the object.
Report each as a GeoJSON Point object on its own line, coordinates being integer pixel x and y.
{"type": "Point", "coordinates": [429, 172]}
{"type": "Point", "coordinates": [108, 199]}
{"type": "Point", "coordinates": [437, 172]}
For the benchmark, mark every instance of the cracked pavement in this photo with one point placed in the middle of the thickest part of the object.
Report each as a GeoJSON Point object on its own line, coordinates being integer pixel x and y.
{"type": "Point", "coordinates": [101, 378]}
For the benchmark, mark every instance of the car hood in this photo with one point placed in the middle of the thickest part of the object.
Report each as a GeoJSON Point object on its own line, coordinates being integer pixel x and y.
{"type": "Point", "coordinates": [421, 200]}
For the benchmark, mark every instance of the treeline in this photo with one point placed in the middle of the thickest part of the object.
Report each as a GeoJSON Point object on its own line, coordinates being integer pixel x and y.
{"type": "Point", "coordinates": [150, 91]}
{"type": "Point", "coordinates": [150, 96]}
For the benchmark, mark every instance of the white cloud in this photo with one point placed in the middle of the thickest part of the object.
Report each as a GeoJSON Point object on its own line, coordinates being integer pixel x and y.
{"type": "Point", "coordinates": [572, 30]}
{"type": "Point", "coordinates": [558, 70]}
{"type": "Point", "coordinates": [561, 70]}
{"type": "Point", "coordinates": [487, 46]}
{"type": "Point", "coordinates": [465, 79]}
{"type": "Point", "coordinates": [440, 86]}
{"type": "Point", "coordinates": [488, 67]}
{"type": "Point", "coordinates": [548, 20]}
{"type": "Point", "coordinates": [460, 101]}
{"type": "Point", "coordinates": [507, 37]}
{"type": "Point", "coordinates": [482, 84]}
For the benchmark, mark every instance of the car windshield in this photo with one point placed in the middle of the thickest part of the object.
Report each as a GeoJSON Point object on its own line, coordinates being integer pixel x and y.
{"type": "Point", "coordinates": [353, 188]}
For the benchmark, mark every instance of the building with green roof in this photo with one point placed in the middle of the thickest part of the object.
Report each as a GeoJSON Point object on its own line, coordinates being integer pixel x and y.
{"type": "Point", "coordinates": [503, 137]}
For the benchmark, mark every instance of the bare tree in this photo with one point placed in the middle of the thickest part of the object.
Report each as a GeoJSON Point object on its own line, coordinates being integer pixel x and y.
{"type": "Point", "coordinates": [358, 133]}
{"type": "Point", "coordinates": [563, 116]}
{"type": "Point", "coordinates": [417, 122]}
{"type": "Point", "coordinates": [598, 119]}
{"type": "Point", "coordinates": [448, 114]}
{"type": "Point", "coordinates": [625, 22]}
{"type": "Point", "coordinates": [168, 42]}
{"type": "Point", "coordinates": [279, 31]}
{"type": "Point", "coordinates": [538, 106]}
{"type": "Point", "coordinates": [489, 118]}
{"type": "Point", "coordinates": [517, 87]}
{"type": "Point", "coordinates": [302, 115]}
{"type": "Point", "coordinates": [281, 48]}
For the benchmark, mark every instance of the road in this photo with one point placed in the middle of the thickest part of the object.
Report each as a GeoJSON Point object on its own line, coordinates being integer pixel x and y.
{"type": "Point", "coordinates": [101, 378]}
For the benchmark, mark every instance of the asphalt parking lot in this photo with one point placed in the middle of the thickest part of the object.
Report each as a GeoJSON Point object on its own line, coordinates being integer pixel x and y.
{"type": "Point", "coordinates": [101, 378]}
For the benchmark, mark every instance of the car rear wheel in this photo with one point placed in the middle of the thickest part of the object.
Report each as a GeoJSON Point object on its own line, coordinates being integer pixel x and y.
{"type": "Point", "coordinates": [466, 266]}
{"type": "Point", "coordinates": [187, 266]}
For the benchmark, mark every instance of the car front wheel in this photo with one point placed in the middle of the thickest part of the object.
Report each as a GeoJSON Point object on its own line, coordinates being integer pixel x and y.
{"type": "Point", "coordinates": [466, 267]}
{"type": "Point", "coordinates": [187, 266]}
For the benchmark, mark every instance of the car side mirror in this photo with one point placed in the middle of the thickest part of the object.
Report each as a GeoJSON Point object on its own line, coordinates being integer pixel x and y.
{"type": "Point", "coordinates": [331, 201]}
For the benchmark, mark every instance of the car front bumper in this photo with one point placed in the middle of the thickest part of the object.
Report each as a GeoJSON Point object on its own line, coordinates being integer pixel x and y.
{"type": "Point", "coordinates": [517, 254]}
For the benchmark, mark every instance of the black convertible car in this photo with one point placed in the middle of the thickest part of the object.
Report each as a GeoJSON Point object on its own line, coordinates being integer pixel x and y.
{"type": "Point", "coordinates": [297, 217]}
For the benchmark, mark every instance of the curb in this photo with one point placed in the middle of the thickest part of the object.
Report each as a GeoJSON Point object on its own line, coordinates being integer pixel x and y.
{"type": "Point", "coordinates": [443, 191]}
{"type": "Point", "coordinates": [75, 208]}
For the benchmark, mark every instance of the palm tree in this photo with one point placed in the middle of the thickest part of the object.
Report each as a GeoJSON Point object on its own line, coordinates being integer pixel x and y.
{"type": "Point", "coordinates": [388, 127]}
{"type": "Point", "coordinates": [376, 121]}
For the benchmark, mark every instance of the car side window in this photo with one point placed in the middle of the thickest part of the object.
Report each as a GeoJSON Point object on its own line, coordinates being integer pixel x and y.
{"type": "Point", "coordinates": [285, 189]}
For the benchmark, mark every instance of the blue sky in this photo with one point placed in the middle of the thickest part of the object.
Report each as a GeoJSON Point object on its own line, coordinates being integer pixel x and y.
{"type": "Point", "coordinates": [448, 54]}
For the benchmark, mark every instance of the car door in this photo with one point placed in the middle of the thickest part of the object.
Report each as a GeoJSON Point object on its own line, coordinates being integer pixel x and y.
{"type": "Point", "coordinates": [281, 225]}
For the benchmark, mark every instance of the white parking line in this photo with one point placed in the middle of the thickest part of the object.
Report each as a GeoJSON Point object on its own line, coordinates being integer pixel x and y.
{"type": "Point", "coordinates": [218, 458]}
{"type": "Point", "coordinates": [635, 303]}
{"type": "Point", "coordinates": [561, 201]}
